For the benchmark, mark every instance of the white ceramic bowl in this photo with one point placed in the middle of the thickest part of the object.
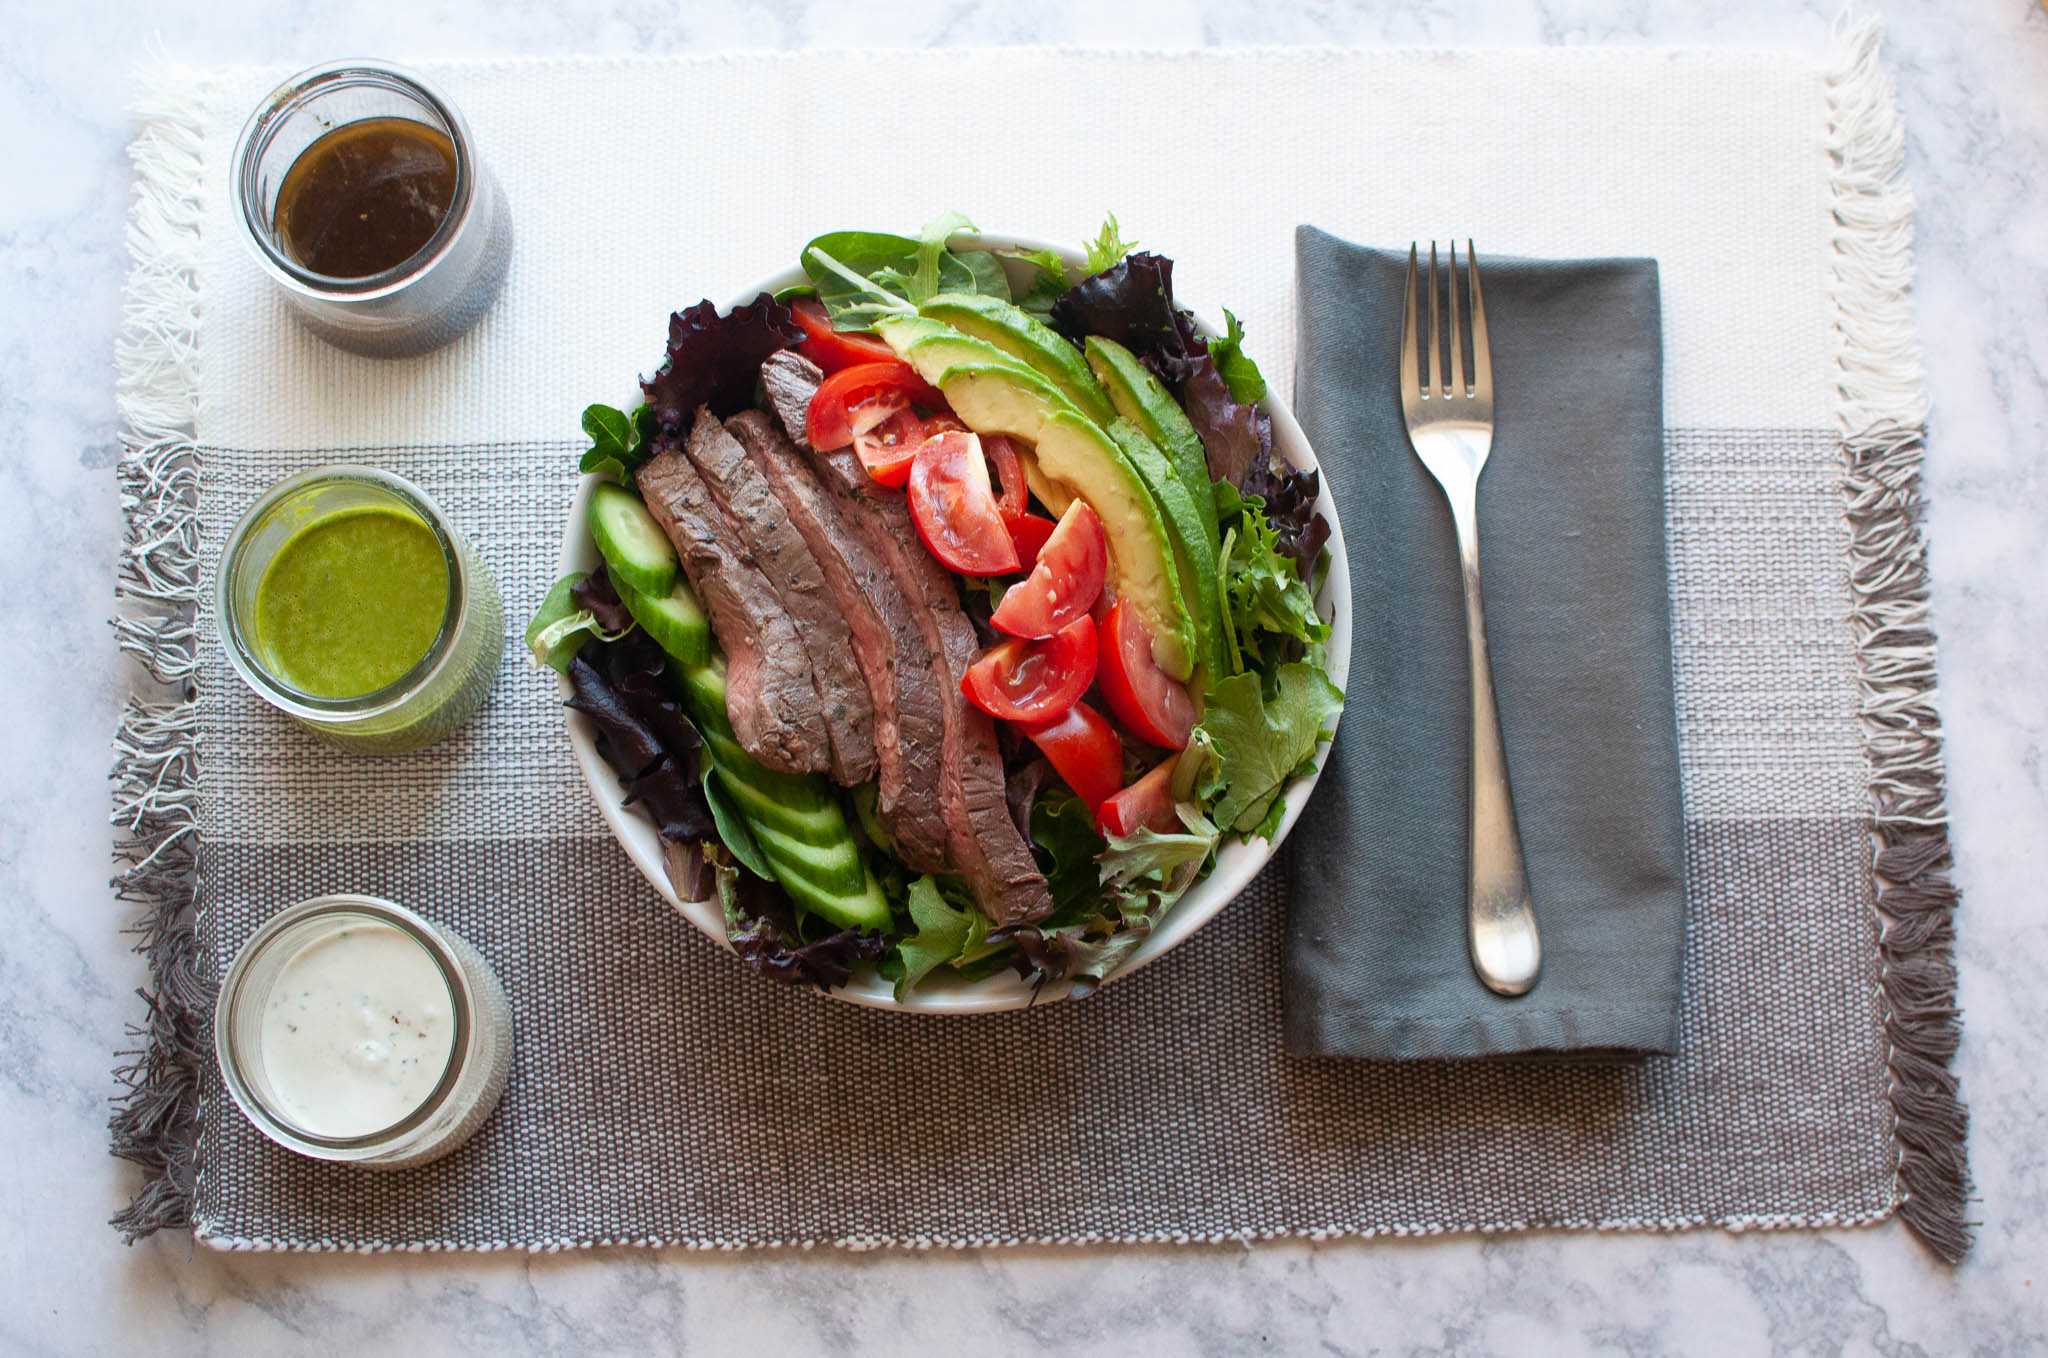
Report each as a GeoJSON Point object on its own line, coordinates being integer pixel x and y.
{"type": "Point", "coordinates": [1237, 861]}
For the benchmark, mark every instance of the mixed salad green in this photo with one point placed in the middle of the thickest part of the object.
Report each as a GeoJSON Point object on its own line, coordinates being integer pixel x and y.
{"type": "Point", "coordinates": [1096, 477]}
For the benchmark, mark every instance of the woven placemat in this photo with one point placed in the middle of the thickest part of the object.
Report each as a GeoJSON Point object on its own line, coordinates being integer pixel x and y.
{"type": "Point", "coordinates": [660, 1093]}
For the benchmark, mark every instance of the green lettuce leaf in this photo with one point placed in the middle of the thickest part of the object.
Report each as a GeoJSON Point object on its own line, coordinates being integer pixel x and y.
{"type": "Point", "coordinates": [559, 628]}
{"type": "Point", "coordinates": [1109, 247]}
{"type": "Point", "coordinates": [1153, 861]}
{"type": "Point", "coordinates": [1251, 743]}
{"type": "Point", "coordinates": [1047, 286]}
{"type": "Point", "coordinates": [1068, 844]}
{"type": "Point", "coordinates": [1270, 613]}
{"type": "Point", "coordinates": [945, 934]}
{"type": "Point", "coordinates": [618, 441]}
{"type": "Point", "coordinates": [1247, 384]}
{"type": "Point", "coordinates": [862, 276]}
{"type": "Point", "coordinates": [931, 248]}
{"type": "Point", "coordinates": [731, 822]}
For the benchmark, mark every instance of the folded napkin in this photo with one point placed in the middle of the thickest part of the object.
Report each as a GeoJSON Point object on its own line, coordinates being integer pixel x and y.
{"type": "Point", "coordinates": [1571, 534]}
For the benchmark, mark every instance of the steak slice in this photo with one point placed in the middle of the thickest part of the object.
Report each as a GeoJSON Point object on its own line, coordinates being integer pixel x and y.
{"type": "Point", "coordinates": [791, 380]}
{"type": "Point", "coordinates": [771, 698]}
{"type": "Point", "coordinates": [888, 642]}
{"type": "Point", "coordinates": [765, 533]}
{"type": "Point", "coordinates": [987, 850]}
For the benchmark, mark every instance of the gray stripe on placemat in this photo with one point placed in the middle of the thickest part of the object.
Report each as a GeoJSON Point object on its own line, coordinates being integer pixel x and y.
{"type": "Point", "coordinates": [1759, 603]}
{"type": "Point", "coordinates": [661, 1093]}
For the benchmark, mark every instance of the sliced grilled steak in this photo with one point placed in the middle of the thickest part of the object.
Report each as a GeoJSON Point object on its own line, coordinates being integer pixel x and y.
{"type": "Point", "coordinates": [791, 380]}
{"type": "Point", "coordinates": [771, 698]}
{"type": "Point", "coordinates": [987, 850]}
{"type": "Point", "coordinates": [766, 534]}
{"type": "Point", "coordinates": [888, 642]}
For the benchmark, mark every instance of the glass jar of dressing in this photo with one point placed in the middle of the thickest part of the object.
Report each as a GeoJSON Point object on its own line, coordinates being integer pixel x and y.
{"type": "Point", "coordinates": [360, 192]}
{"type": "Point", "coordinates": [347, 600]}
{"type": "Point", "coordinates": [350, 1029]}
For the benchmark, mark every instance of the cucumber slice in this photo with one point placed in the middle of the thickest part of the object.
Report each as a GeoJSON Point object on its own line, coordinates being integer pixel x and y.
{"type": "Point", "coordinates": [867, 813]}
{"type": "Point", "coordinates": [866, 908]}
{"type": "Point", "coordinates": [675, 620]}
{"type": "Point", "coordinates": [793, 806]}
{"type": "Point", "coordinates": [796, 819]}
{"type": "Point", "coordinates": [638, 552]}
{"type": "Point", "coordinates": [832, 868]}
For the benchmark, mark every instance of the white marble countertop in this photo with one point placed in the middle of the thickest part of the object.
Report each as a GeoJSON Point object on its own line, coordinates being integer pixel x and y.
{"type": "Point", "coordinates": [1974, 78]}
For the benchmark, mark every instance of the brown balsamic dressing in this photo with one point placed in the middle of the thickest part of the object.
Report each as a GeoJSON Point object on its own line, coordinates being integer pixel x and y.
{"type": "Point", "coordinates": [366, 196]}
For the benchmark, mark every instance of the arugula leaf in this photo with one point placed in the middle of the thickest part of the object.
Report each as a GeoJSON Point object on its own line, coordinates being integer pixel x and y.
{"type": "Point", "coordinates": [931, 248]}
{"type": "Point", "coordinates": [560, 627]}
{"type": "Point", "coordinates": [616, 442]}
{"type": "Point", "coordinates": [1065, 835]}
{"type": "Point", "coordinates": [1250, 744]}
{"type": "Point", "coordinates": [944, 934]}
{"type": "Point", "coordinates": [1109, 247]}
{"type": "Point", "coordinates": [1247, 384]}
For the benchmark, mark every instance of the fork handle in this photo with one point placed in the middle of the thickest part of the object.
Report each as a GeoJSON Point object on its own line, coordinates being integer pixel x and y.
{"type": "Point", "coordinates": [1500, 917]}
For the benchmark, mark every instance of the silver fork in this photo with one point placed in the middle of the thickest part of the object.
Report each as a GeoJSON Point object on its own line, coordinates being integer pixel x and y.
{"type": "Point", "coordinates": [1452, 430]}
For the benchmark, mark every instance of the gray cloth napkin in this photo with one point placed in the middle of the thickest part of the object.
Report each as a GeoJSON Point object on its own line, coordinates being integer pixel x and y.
{"type": "Point", "coordinates": [1571, 515]}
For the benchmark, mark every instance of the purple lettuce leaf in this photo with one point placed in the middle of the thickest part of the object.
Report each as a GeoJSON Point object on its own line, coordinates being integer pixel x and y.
{"type": "Point", "coordinates": [713, 360]}
{"type": "Point", "coordinates": [1130, 302]}
{"type": "Point", "coordinates": [596, 593]}
{"type": "Point", "coordinates": [643, 734]}
{"type": "Point", "coordinates": [762, 929]}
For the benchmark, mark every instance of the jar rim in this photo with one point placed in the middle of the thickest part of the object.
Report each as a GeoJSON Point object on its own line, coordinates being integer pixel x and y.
{"type": "Point", "coordinates": [273, 1122]}
{"type": "Point", "coordinates": [271, 115]}
{"type": "Point", "coordinates": [273, 688]}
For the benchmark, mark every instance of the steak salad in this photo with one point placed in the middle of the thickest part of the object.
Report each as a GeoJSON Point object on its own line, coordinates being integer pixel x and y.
{"type": "Point", "coordinates": [943, 628]}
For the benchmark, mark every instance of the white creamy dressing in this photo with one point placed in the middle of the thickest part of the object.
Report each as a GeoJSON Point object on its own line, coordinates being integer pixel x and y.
{"type": "Point", "coordinates": [357, 1030]}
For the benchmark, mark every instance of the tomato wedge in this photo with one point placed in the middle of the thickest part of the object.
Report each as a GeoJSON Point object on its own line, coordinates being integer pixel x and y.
{"type": "Point", "coordinates": [1142, 696]}
{"type": "Point", "coordinates": [1034, 681]}
{"type": "Point", "coordinates": [1065, 582]}
{"type": "Point", "coordinates": [1002, 456]}
{"type": "Point", "coordinates": [862, 397]}
{"type": "Point", "coordinates": [1145, 805]}
{"type": "Point", "coordinates": [1028, 532]}
{"type": "Point", "coordinates": [955, 510]}
{"type": "Point", "coordinates": [834, 349]}
{"type": "Point", "coordinates": [1083, 750]}
{"type": "Point", "coordinates": [888, 449]}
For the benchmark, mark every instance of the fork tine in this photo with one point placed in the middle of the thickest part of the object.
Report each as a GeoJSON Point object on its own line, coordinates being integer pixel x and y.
{"type": "Point", "coordinates": [1457, 345]}
{"type": "Point", "coordinates": [1482, 357]}
{"type": "Point", "coordinates": [1436, 342]}
{"type": "Point", "coordinates": [1411, 353]}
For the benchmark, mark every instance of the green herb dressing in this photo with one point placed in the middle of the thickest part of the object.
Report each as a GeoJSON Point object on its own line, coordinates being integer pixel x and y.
{"type": "Point", "coordinates": [351, 602]}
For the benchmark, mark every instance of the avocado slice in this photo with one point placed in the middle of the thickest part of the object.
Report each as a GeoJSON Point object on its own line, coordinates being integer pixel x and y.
{"type": "Point", "coordinates": [1030, 341]}
{"type": "Point", "coordinates": [1075, 451]}
{"type": "Point", "coordinates": [1142, 399]}
{"type": "Point", "coordinates": [1194, 552]}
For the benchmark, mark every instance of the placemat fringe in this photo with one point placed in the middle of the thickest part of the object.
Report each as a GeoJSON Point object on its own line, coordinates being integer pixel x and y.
{"type": "Point", "coordinates": [1881, 410]}
{"type": "Point", "coordinates": [155, 1122]}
